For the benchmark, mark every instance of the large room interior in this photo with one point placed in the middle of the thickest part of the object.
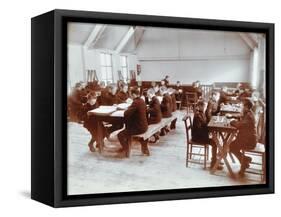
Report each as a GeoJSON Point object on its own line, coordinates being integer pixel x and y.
{"type": "Point", "coordinates": [142, 55]}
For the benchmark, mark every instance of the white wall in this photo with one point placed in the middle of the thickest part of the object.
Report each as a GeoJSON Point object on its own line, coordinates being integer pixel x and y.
{"type": "Point", "coordinates": [258, 65]}
{"type": "Point", "coordinates": [187, 71]}
{"type": "Point", "coordinates": [75, 67]}
{"type": "Point", "coordinates": [189, 55]}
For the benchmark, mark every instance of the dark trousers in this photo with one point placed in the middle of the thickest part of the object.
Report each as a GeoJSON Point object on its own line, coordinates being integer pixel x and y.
{"type": "Point", "coordinates": [124, 138]}
{"type": "Point", "coordinates": [91, 125]}
{"type": "Point", "coordinates": [236, 148]}
{"type": "Point", "coordinates": [116, 125]}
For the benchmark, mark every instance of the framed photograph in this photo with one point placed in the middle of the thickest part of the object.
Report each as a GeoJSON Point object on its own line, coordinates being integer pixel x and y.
{"type": "Point", "coordinates": [134, 108]}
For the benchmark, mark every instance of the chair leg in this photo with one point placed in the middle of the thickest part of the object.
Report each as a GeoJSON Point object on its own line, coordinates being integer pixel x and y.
{"type": "Point", "coordinates": [190, 153]}
{"type": "Point", "coordinates": [128, 151]}
{"type": "Point", "coordinates": [187, 154]}
{"type": "Point", "coordinates": [205, 157]}
{"type": "Point", "coordinates": [263, 177]}
{"type": "Point", "coordinates": [232, 158]}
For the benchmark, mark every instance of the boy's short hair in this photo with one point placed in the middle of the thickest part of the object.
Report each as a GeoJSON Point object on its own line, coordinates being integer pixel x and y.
{"type": "Point", "coordinates": [200, 103]}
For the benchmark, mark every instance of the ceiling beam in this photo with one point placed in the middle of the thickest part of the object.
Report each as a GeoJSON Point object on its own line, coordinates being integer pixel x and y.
{"type": "Point", "coordinates": [139, 32]}
{"type": "Point", "coordinates": [95, 35]}
{"type": "Point", "coordinates": [249, 40]}
{"type": "Point", "coordinates": [125, 40]}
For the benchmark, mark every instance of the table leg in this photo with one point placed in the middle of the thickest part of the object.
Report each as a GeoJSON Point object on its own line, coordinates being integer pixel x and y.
{"type": "Point", "coordinates": [223, 151]}
{"type": "Point", "coordinates": [100, 141]}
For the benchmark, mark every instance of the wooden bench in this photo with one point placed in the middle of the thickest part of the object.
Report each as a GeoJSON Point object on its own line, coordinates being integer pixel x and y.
{"type": "Point", "coordinates": [151, 131]}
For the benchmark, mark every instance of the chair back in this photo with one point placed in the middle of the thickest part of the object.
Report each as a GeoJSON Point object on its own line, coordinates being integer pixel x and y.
{"type": "Point", "coordinates": [188, 126]}
{"type": "Point", "coordinates": [191, 97]}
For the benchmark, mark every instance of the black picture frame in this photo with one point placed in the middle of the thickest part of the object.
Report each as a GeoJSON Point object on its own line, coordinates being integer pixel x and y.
{"type": "Point", "coordinates": [49, 91]}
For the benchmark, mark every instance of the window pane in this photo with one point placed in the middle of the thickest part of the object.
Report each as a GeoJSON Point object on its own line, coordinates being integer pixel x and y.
{"type": "Point", "coordinates": [108, 59]}
{"type": "Point", "coordinates": [103, 73]}
{"type": "Point", "coordinates": [109, 73]}
{"type": "Point", "coordinates": [124, 72]}
{"type": "Point", "coordinates": [123, 61]}
{"type": "Point", "coordinates": [102, 59]}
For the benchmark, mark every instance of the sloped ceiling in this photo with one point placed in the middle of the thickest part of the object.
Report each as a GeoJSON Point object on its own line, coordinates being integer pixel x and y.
{"type": "Point", "coordinates": [156, 41]}
{"type": "Point", "coordinates": [78, 33]}
{"type": "Point", "coordinates": [111, 37]}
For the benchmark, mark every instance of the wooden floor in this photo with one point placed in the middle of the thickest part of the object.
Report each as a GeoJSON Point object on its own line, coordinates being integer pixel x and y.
{"type": "Point", "coordinates": [90, 173]}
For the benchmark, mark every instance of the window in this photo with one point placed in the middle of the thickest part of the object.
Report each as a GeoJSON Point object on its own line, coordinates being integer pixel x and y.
{"type": "Point", "coordinates": [106, 68]}
{"type": "Point", "coordinates": [124, 67]}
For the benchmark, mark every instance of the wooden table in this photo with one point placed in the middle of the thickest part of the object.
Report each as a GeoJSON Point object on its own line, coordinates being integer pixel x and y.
{"type": "Point", "coordinates": [232, 109]}
{"type": "Point", "coordinates": [222, 134]}
{"type": "Point", "coordinates": [106, 114]}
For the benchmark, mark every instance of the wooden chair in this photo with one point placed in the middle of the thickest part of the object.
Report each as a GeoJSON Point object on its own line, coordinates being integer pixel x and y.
{"type": "Point", "coordinates": [191, 100]}
{"type": "Point", "coordinates": [259, 152]}
{"type": "Point", "coordinates": [191, 145]}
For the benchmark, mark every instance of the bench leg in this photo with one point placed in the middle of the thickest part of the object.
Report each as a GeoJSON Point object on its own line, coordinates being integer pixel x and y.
{"type": "Point", "coordinates": [173, 124]}
{"type": "Point", "coordinates": [162, 132]}
{"type": "Point", "coordinates": [144, 147]}
{"type": "Point", "coordinates": [128, 151]}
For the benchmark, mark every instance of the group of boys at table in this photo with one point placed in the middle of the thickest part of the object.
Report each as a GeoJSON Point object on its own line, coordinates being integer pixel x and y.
{"type": "Point", "coordinates": [238, 133]}
{"type": "Point", "coordinates": [228, 128]}
{"type": "Point", "coordinates": [138, 113]}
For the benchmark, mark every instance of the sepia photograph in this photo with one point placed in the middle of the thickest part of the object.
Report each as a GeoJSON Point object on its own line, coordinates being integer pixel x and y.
{"type": "Point", "coordinates": [158, 108]}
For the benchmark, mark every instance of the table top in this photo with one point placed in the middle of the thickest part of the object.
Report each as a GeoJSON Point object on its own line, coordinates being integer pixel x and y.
{"type": "Point", "coordinates": [114, 110]}
{"type": "Point", "coordinates": [231, 108]}
{"type": "Point", "coordinates": [220, 123]}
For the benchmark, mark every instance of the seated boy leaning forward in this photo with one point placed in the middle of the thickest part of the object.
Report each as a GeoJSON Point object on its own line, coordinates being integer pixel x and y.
{"type": "Point", "coordinates": [200, 134]}
{"type": "Point", "coordinates": [135, 122]}
{"type": "Point", "coordinates": [154, 114]}
{"type": "Point", "coordinates": [166, 109]}
{"type": "Point", "coordinates": [213, 106]}
{"type": "Point", "coordinates": [247, 136]}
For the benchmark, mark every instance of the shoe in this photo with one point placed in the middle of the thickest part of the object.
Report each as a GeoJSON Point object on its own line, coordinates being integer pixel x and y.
{"type": "Point", "coordinates": [219, 167]}
{"type": "Point", "coordinates": [91, 146]}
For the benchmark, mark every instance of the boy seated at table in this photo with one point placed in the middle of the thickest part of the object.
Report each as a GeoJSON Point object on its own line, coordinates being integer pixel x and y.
{"type": "Point", "coordinates": [200, 133]}
{"type": "Point", "coordinates": [122, 94]}
{"type": "Point", "coordinates": [107, 96]}
{"type": "Point", "coordinates": [246, 138]}
{"type": "Point", "coordinates": [154, 111]}
{"type": "Point", "coordinates": [171, 92]}
{"type": "Point", "coordinates": [135, 122]}
{"type": "Point", "coordinates": [196, 88]}
{"type": "Point", "coordinates": [154, 114]}
{"type": "Point", "coordinates": [213, 107]}
{"type": "Point", "coordinates": [162, 88]}
{"type": "Point", "coordinates": [166, 109]}
{"type": "Point", "coordinates": [224, 98]}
